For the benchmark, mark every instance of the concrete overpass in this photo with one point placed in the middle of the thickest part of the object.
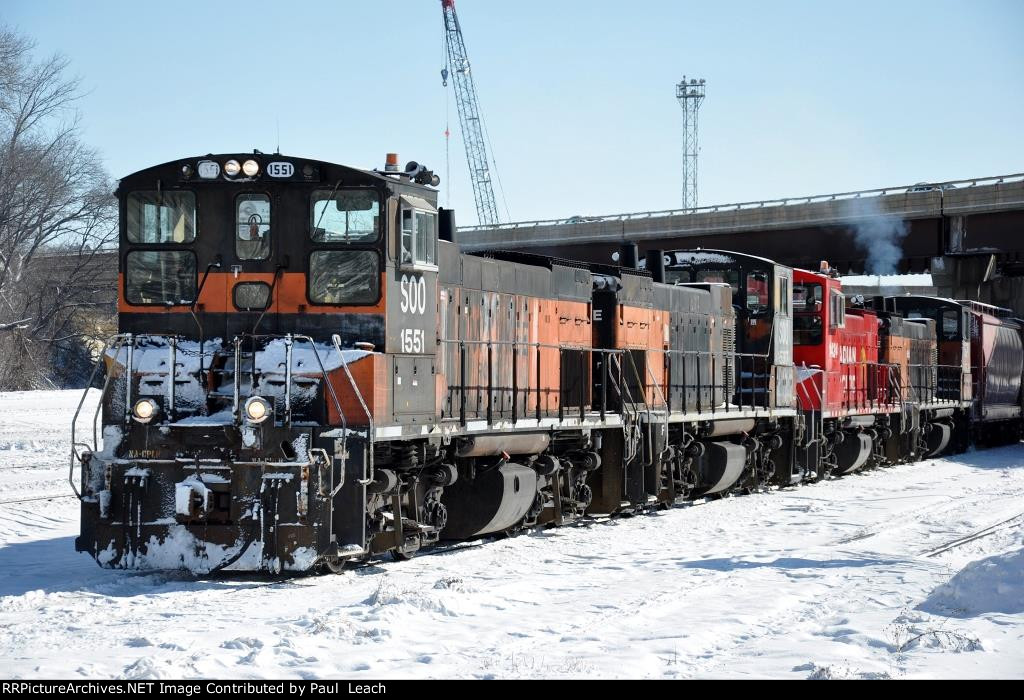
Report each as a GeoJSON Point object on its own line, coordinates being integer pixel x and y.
{"type": "Point", "coordinates": [968, 233]}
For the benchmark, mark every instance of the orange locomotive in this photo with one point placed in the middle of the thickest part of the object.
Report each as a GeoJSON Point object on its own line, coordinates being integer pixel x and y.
{"type": "Point", "coordinates": [308, 371]}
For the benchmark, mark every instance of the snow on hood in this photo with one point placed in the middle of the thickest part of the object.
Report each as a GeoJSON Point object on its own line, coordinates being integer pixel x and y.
{"type": "Point", "coordinates": [271, 360]}
{"type": "Point", "coordinates": [151, 359]}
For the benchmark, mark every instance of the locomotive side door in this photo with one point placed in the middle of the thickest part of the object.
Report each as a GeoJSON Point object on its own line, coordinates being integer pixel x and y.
{"type": "Point", "coordinates": [782, 329]}
{"type": "Point", "coordinates": [249, 263]}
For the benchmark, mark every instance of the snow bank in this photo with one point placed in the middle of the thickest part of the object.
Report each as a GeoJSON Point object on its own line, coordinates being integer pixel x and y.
{"type": "Point", "coordinates": [992, 585]}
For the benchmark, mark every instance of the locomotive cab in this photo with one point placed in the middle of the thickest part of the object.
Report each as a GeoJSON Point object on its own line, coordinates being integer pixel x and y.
{"type": "Point", "coordinates": [762, 300]}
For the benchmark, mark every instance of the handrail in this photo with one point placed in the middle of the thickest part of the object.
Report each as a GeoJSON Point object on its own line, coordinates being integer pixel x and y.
{"type": "Point", "coordinates": [323, 372]}
{"type": "Point", "coordinates": [336, 339]}
{"type": "Point", "coordinates": [99, 404]}
{"type": "Point", "coordinates": [288, 344]}
{"type": "Point", "coordinates": [760, 384]}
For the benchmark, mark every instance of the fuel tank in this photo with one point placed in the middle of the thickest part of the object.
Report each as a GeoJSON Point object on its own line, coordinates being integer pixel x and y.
{"type": "Point", "coordinates": [853, 452]}
{"type": "Point", "coordinates": [493, 501]}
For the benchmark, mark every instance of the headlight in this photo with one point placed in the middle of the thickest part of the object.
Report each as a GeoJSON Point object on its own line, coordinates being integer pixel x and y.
{"type": "Point", "coordinates": [232, 168]}
{"type": "Point", "coordinates": [256, 409]}
{"type": "Point", "coordinates": [144, 410]}
{"type": "Point", "coordinates": [250, 168]}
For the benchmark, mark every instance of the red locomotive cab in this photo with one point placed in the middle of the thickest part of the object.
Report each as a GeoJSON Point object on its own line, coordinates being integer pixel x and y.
{"type": "Point", "coordinates": [836, 352]}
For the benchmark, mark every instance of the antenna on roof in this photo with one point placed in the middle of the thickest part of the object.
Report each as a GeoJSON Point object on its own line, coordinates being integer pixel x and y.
{"type": "Point", "coordinates": [278, 151]}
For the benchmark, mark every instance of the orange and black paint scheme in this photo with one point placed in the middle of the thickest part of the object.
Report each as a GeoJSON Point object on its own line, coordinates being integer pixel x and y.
{"type": "Point", "coordinates": [308, 372]}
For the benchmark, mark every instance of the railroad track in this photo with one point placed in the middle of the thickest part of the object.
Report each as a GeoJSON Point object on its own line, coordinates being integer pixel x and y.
{"type": "Point", "coordinates": [37, 498]}
{"type": "Point", "coordinates": [966, 539]}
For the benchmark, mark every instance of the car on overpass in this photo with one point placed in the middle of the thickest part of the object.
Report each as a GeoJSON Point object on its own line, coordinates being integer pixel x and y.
{"type": "Point", "coordinates": [929, 187]}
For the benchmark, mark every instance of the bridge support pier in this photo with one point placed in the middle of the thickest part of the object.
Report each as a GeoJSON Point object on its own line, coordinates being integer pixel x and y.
{"type": "Point", "coordinates": [977, 277]}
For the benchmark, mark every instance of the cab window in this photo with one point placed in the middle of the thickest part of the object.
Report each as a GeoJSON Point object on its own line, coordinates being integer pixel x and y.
{"type": "Point", "coordinates": [757, 292]}
{"type": "Point", "coordinates": [951, 324]}
{"type": "Point", "coordinates": [730, 277]}
{"type": "Point", "coordinates": [807, 329]}
{"type": "Point", "coordinates": [807, 325]}
{"type": "Point", "coordinates": [165, 277]}
{"type": "Point", "coordinates": [344, 277]}
{"type": "Point", "coordinates": [344, 216]}
{"type": "Point", "coordinates": [806, 298]}
{"type": "Point", "coordinates": [161, 217]}
{"type": "Point", "coordinates": [677, 276]}
{"type": "Point", "coordinates": [252, 227]}
{"type": "Point", "coordinates": [419, 236]}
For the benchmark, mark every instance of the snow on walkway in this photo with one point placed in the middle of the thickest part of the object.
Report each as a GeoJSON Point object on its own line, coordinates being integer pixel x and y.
{"type": "Point", "coordinates": [846, 579]}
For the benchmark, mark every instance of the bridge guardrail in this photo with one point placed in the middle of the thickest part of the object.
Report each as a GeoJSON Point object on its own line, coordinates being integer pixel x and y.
{"type": "Point", "coordinates": [740, 206]}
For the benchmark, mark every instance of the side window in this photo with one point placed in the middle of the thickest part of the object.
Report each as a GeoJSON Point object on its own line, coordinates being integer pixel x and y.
{"type": "Point", "coordinates": [838, 310]}
{"type": "Point", "coordinates": [160, 277]}
{"type": "Point", "coordinates": [419, 238]}
{"type": "Point", "coordinates": [757, 292]}
{"type": "Point", "coordinates": [784, 295]}
{"type": "Point", "coordinates": [252, 227]}
{"type": "Point", "coordinates": [408, 230]}
{"type": "Point", "coordinates": [426, 238]}
{"type": "Point", "coordinates": [161, 217]}
{"type": "Point", "coordinates": [344, 277]}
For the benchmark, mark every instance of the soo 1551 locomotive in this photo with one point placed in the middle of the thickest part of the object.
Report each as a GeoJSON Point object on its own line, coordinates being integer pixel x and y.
{"type": "Point", "coordinates": [308, 371]}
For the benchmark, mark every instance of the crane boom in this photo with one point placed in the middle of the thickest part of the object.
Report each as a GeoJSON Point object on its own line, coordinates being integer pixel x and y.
{"type": "Point", "coordinates": [469, 117]}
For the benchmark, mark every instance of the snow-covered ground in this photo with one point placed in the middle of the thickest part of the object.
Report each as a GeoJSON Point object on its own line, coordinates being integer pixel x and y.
{"type": "Point", "coordinates": [846, 579]}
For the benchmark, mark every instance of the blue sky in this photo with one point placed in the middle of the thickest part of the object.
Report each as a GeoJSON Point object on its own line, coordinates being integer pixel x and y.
{"type": "Point", "coordinates": [802, 97]}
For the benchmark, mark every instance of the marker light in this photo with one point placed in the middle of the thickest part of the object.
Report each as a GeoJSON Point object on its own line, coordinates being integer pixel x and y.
{"type": "Point", "coordinates": [144, 410]}
{"type": "Point", "coordinates": [232, 168]}
{"type": "Point", "coordinates": [250, 168]}
{"type": "Point", "coordinates": [256, 409]}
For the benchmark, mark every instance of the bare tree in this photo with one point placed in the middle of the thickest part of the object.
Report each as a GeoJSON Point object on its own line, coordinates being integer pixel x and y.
{"type": "Point", "coordinates": [55, 205]}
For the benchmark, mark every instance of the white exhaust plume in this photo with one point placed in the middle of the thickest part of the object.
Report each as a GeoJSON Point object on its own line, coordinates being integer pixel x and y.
{"type": "Point", "coordinates": [880, 235]}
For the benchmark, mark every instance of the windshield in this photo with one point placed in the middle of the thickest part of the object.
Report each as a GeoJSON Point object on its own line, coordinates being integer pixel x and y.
{"type": "Point", "coordinates": [344, 277]}
{"type": "Point", "coordinates": [757, 292]}
{"type": "Point", "coordinates": [730, 277]}
{"type": "Point", "coordinates": [161, 217]}
{"type": "Point", "coordinates": [807, 324]}
{"type": "Point", "coordinates": [344, 216]}
{"type": "Point", "coordinates": [160, 277]}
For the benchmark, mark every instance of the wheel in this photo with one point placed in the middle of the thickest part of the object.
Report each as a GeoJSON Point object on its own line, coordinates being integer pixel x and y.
{"type": "Point", "coordinates": [407, 551]}
{"type": "Point", "coordinates": [332, 565]}
{"type": "Point", "coordinates": [402, 555]}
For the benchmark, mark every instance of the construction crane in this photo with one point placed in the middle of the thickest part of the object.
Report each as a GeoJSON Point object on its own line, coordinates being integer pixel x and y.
{"type": "Point", "coordinates": [469, 116]}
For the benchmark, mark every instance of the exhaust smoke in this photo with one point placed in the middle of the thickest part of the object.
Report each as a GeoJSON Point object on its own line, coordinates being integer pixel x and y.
{"type": "Point", "coordinates": [880, 235]}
